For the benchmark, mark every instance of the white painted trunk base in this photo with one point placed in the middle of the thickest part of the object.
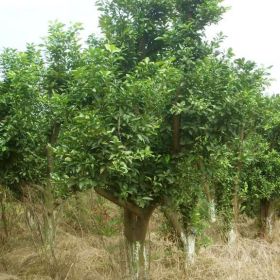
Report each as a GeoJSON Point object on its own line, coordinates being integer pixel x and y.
{"type": "Point", "coordinates": [138, 263]}
{"type": "Point", "coordinates": [232, 236]}
{"type": "Point", "coordinates": [189, 247]}
{"type": "Point", "coordinates": [269, 225]}
{"type": "Point", "coordinates": [212, 211]}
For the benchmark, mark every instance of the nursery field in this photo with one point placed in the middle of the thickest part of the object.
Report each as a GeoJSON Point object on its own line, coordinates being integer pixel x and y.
{"type": "Point", "coordinates": [146, 152]}
{"type": "Point", "coordinates": [89, 245]}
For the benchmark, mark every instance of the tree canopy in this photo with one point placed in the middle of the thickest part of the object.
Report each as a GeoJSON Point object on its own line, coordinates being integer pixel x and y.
{"type": "Point", "coordinates": [149, 114]}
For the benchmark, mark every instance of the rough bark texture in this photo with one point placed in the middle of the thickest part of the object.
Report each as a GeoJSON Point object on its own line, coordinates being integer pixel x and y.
{"type": "Point", "coordinates": [235, 200]}
{"type": "Point", "coordinates": [3, 213]}
{"type": "Point", "coordinates": [135, 231]}
{"type": "Point", "coordinates": [136, 222]}
{"type": "Point", "coordinates": [191, 248]}
{"type": "Point", "coordinates": [267, 216]}
{"type": "Point", "coordinates": [49, 214]}
{"type": "Point", "coordinates": [211, 202]}
{"type": "Point", "coordinates": [212, 211]}
{"type": "Point", "coordinates": [187, 240]}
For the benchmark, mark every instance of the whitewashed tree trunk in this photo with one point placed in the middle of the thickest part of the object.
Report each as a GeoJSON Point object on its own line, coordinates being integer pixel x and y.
{"type": "Point", "coordinates": [135, 229]}
{"type": "Point", "coordinates": [137, 259]}
{"type": "Point", "coordinates": [191, 248]}
{"type": "Point", "coordinates": [269, 225]}
{"type": "Point", "coordinates": [232, 235]}
{"type": "Point", "coordinates": [212, 211]}
{"type": "Point", "coordinates": [188, 241]}
{"type": "Point", "coordinates": [267, 218]}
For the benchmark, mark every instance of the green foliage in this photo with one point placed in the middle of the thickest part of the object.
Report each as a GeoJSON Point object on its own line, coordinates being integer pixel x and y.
{"type": "Point", "coordinates": [262, 180]}
{"type": "Point", "coordinates": [106, 111]}
{"type": "Point", "coordinates": [22, 111]}
{"type": "Point", "coordinates": [32, 98]}
{"type": "Point", "coordinates": [115, 142]}
{"type": "Point", "coordinates": [148, 28]}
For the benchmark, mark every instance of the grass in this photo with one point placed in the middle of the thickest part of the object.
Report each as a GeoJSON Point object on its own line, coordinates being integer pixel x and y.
{"type": "Point", "coordinates": [84, 250]}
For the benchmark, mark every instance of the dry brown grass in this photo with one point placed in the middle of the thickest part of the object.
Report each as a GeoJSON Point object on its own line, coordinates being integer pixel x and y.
{"type": "Point", "coordinates": [87, 258]}
{"type": "Point", "coordinates": [246, 260]}
{"type": "Point", "coordinates": [81, 255]}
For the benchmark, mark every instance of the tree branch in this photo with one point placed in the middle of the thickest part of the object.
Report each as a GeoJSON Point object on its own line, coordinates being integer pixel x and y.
{"type": "Point", "coordinates": [141, 212]}
{"type": "Point", "coordinates": [55, 129]}
{"type": "Point", "coordinates": [176, 128]}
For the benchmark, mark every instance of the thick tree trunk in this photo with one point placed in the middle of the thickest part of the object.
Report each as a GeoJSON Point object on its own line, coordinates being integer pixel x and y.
{"type": "Point", "coordinates": [187, 240]}
{"type": "Point", "coordinates": [191, 248]}
{"type": "Point", "coordinates": [49, 215]}
{"type": "Point", "coordinates": [136, 223]}
{"type": "Point", "coordinates": [211, 203]}
{"type": "Point", "coordinates": [232, 235]}
{"type": "Point", "coordinates": [267, 216]}
{"type": "Point", "coordinates": [234, 230]}
{"type": "Point", "coordinates": [212, 211]}
{"type": "Point", "coordinates": [235, 200]}
{"type": "Point", "coordinates": [135, 230]}
{"type": "Point", "coordinates": [3, 213]}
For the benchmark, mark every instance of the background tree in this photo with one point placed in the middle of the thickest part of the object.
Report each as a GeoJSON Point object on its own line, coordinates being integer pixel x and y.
{"type": "Point", "coordinates": [22, 113]}
{"type": "Point", "coordinates": [33, 98]}
{"type": "Point", "coordinates": [261, 175]}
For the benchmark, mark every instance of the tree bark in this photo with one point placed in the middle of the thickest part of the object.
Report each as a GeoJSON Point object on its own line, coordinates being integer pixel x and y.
{"type": "Point", "coordinates": [49, 214]}
{"type": "Point", "coordinates": [235, 199]}
{"type": "Point", "coordinates": [235, 203]}
{"type": "Point", "coordinates": [136, 223]}
{"type": "Point", "coordinates": [211, 203]}
{"type": "Point", "coordinates": [187, 240]}
{"type": "Point", "coordinates": [232, 235]}
{"type": "Point", "coordinates": [3, 213]}
{"type": "Point", "coordinates": [212, 211]}
{"type": "Point", "coordinates": [267, 216]}
{"type": "Point", "coordinates": [135, 231]}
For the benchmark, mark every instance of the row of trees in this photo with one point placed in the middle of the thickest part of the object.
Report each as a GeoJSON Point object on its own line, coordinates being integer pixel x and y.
{"type": "Point", "coordinates": [150, 115]}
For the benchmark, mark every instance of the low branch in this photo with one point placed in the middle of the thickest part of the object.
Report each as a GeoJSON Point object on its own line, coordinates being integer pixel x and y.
{"type": "Point", "coordinates": [141, 212]}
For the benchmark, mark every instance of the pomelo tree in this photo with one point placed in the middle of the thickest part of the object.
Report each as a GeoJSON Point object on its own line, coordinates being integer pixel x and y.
{"type": "Point", "coordinates": [137, 115]}
{"type": "Point", "coordinates": [33, 105]}
{"type": "Point", "coordinates": [161, 90]}
{"type": "Point", "coordinates": [261, 175]}
{"type": "Point", "coordinates": [132, 129]}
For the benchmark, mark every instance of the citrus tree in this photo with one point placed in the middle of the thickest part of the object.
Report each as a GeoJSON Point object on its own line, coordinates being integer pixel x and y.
{"type": "Point", "coordinates": [140, 115]}
{"type": "Point", "coordinates": [261, 179]}
{"type": "Point", "coordinates": [22, 116]}
{"type": "Point", "coordinates": [125, 141]}
{"type": "Point", "coordinates": [33, 105]}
